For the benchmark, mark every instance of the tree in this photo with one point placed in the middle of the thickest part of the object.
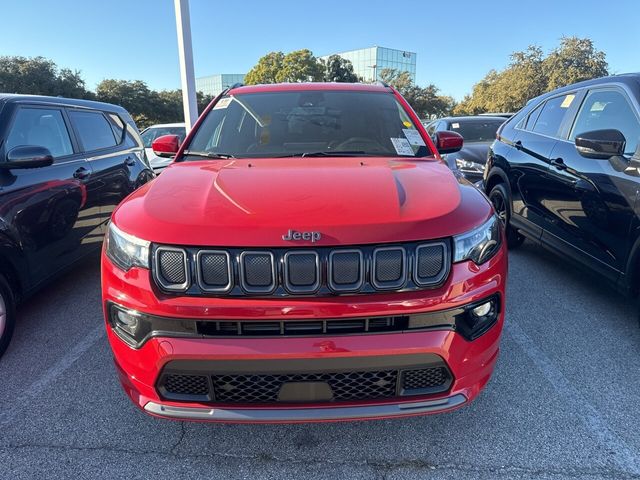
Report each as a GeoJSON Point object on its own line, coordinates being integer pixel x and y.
{"type": "Point", "coordinates": [338, 69]}
{"type": "Point", "coordinates": [266, 70]}
{"type": "Point", "coordinates": [39, 76]}
{"type": "Point", "coordinates": [300, 66]}
{"type": "Point", "coordinates": [425, 101]}
{"type": "Point", "coordinates": [530, 74]}
{"type": "Point", "coordinates": [575, 60]}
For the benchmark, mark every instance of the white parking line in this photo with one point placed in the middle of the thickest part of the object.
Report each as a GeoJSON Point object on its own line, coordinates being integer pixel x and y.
{"type": "Point", "coordinates": [50, 375]}
{"type": "Point", "coordinates": [625, 457]}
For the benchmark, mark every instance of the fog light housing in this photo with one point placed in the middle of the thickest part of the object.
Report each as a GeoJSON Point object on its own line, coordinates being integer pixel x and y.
{"type": "Point", "coordinates": [482, 309]}
{"type": "Point", "coordinates": [478, 318]}
{"type": "Point", "coordinates": [127, 320]}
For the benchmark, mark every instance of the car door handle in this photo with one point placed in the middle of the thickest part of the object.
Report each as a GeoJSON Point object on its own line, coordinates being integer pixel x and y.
{"type": "Point", "coordinates": [130, 161]}
{"type": "Point", "coordinates": [558, 163]}
{"type": "Point", "coordinates": [81, 173]}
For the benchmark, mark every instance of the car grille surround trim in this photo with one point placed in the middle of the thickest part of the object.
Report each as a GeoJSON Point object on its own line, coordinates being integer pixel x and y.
{"type": "Point", "coordinates": [321, 271]}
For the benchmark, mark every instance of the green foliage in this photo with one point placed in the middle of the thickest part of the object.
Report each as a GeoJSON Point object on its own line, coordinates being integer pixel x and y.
{"type": "Point", "coordinates": [425, 101]}
{"type": "Point", "coordinates": [147, 107]}
{"type": "Point", "coordinates": [267, 69]}
{"type": "Point", "coordinates": [276, 67]}
{"type": "Point", "coordinates": [300, 66]}
{"type": "Point", "coordinates": [39, 76]}
{"type": "Point", "coordinates": [338, 69]}
{"type": "Point", "coordinates": [530, 74]}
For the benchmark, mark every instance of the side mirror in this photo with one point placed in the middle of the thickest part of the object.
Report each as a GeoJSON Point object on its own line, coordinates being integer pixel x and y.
{"type": "Point", "coordinates": [448, 142]}
{"type": "Point", "coordinates": [27, 156]}
{"type": "Point", "coordinates": [600, 144]}
{"type": "Point", "coordinates": [166, 146]}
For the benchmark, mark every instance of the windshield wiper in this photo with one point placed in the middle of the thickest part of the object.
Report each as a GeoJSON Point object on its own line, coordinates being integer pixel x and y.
{"type": "Point", "coordinates": [208, 154]}
{"type": "Point", "coordinates": [330, 153]}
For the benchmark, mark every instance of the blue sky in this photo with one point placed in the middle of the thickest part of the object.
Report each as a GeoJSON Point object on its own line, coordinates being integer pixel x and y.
{"type": "Point", "coordinates": [457, 42]}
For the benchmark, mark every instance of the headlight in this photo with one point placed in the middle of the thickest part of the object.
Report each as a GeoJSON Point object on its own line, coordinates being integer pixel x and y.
{"type": "Point", "coordinates": [125, 250]}
{"type": "Point", "coordinates": [468, 165]}
{"type": "Point", "coordinates": [479, 244]}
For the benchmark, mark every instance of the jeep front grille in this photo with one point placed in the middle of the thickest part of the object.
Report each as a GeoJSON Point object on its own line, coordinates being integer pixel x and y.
{"type": "Point", "coordinates": [302, 271]}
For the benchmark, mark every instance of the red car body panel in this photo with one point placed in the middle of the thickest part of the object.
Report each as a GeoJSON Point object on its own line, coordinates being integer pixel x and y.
{"type": "Point", "coordinates": [352, 201]}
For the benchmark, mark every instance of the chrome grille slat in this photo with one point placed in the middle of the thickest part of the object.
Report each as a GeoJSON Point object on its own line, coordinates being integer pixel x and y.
{"type": "Point", "coordinates": [319, 271]}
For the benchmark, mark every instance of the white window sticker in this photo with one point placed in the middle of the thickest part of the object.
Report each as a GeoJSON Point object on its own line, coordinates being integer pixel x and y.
{"type": "Point", "coordinates": [455, 125]}
{"type": "Point", "coordinates": [413, 136]}
{"type": "Point", "coordinates": [223, 103]}
{"type": "Point", "coordinates": [402, 146]}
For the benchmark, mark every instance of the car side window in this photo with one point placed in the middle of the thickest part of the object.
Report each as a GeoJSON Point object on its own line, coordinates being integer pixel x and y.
{"type": "Point", "coordinates": [117, 125]}
{"type": "Point", "coordinates": [94, 130]}
{"type": "Point", "coordinates": [552, 114]}
{"type": "Point", "coordinates": [42, 127]}
{"type": "Point", "coordinates": [608, 109]}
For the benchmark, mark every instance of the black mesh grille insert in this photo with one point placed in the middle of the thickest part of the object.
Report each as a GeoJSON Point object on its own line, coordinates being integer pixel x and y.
{"type": "Point", "coordinates": [258, 270]}
{"type": "Point", "coordinates": [172, 264]}
{"type": "Point", "coordinates": [186, 385]}
{"type": "Point", "coordinates": [215, 269]}
{"type": "Point", "coordinates": [425, 379]}
{"type": "Point", "coordinates": [265, 388]}
{"type": "Point", "coordinates": [389, 266]}
{"type": "Point", "coordinates": [430, 261]}
{"type": "Point", "coordinates": [302, 269]}
{"type": "Point", "coordinates": [345, 268]}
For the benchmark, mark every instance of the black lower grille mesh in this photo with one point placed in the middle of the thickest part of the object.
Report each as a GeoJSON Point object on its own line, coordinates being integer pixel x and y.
{"type": "Point", "coordinates": [265, 388]}
{"type": "Point", "coordinates": [186, 384]}
{"type": "Point", "coordinates": [426, 378]}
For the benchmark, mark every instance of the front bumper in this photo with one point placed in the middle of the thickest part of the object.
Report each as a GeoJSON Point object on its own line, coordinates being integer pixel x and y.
{"type": "Point", "coordinates": [470, 362]}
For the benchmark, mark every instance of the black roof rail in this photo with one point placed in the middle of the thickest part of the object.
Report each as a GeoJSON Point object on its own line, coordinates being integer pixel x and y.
{"type": "Point", "coordinates": [381, 83]}
{"type": "Point", "coordinates": [236, 85]}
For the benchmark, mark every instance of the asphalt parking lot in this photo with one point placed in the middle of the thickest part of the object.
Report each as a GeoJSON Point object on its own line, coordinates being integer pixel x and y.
{"type": "Point", "coordinates": [563, 402]}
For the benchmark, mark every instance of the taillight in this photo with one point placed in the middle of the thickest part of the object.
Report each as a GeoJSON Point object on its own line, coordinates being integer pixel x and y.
{"type": "Point", "coordinates": [499, 131]}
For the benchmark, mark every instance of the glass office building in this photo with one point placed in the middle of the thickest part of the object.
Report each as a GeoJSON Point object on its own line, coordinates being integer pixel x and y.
{"type": "Point", "coordinates": [369, 62]}
{"type": "Point", "coordinates": [214, 84]}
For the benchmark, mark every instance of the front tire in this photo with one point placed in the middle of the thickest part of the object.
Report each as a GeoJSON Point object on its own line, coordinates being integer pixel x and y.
{"type": "Point", "coordinates": [7, 314]}
{"type": "Point", "coordinates": [502, 204]}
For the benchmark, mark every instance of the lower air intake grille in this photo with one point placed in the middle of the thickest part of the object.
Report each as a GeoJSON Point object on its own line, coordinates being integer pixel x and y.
{"type": "Point", "coordinates": [336, 387]}
{"type": "Point", "coordinates": [195, 385]}
{"type": "Point", "coordinates": [425, 380]}
{"type": "Point", "coordinates": [266, 388]}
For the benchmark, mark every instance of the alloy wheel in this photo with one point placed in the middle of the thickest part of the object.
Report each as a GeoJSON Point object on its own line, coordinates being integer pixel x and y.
{"type": "Point", "coordinates": [500, 206]}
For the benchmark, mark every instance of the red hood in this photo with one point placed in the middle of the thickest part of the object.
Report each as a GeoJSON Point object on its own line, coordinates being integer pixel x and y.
{"type": "Point", "coordinates": [253, 202]}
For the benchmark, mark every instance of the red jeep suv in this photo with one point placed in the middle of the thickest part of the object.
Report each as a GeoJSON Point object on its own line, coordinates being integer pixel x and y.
{"type": "Point", "coordinates": [306, 257]}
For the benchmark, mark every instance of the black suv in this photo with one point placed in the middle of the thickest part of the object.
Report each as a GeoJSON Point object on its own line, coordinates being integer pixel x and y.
{"type": "Point", "coordinates": [64, 166]}
{"type": "Point", "coordinates": [565, 171]}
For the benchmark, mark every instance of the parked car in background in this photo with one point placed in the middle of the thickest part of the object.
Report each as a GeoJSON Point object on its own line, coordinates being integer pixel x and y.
{"type": "Point", "coordinates": [496, 114]}
{"type": "Point", "coordinates": [478, 133]}
{"type": "Point", "coordinates": [306, 257]}
{"type": "Point", "coordinates": [565, 171]}
{"type": "Point", "coordinates": [149, 134]}
{"type": "Point", "coordinates": [64, 166]}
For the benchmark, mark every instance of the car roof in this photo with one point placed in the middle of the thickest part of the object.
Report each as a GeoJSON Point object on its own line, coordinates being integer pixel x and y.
{"type": "Point", "coordinates": [472, 118]}
{"type": "Point", "coordinates": [59, 101]}
{"type": "Point", "coordinates": [308, 86]}
{"type": "Point", "coordinates": [629, 79]}
{"type": "Point", "coordinates": [165, 125]}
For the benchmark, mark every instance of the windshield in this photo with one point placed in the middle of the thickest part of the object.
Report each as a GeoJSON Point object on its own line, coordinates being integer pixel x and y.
{"type": "Point", "coordinates": [151, 133]}
{"type": "Point", "coordinates": [307, 123]}
{"type": "Point", "coordinates": [476, 130]}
